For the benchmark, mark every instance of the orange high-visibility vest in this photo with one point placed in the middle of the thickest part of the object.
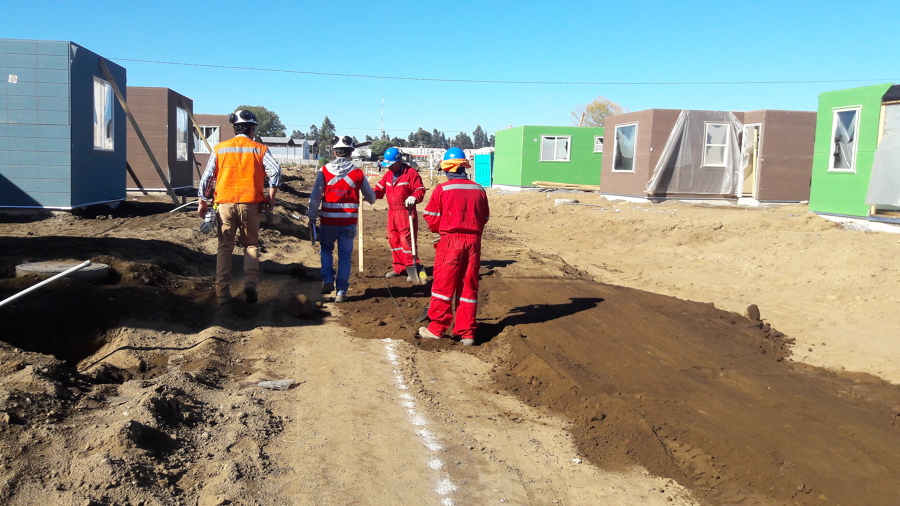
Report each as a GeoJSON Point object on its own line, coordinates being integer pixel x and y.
{"type": "Point", "coordinates": [340, 201]}
{"type": "Point", "coordinates": [239, 171]}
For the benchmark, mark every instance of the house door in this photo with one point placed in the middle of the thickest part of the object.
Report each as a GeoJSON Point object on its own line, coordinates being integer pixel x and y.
{"type": "Point", "coordinates": [750, 153]}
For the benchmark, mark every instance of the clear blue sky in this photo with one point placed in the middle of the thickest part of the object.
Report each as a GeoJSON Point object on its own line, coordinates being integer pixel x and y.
{"type": "Point", "coordinates": [537, 41]}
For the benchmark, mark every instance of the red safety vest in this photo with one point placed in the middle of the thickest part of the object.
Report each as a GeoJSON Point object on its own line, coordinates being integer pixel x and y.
{"type": "Point", "coordinates": [340, 201]}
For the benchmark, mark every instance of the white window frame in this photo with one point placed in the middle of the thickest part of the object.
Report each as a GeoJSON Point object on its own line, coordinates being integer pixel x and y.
{"type": "Point", "coordinates": [182, 141]}
{"type": "Point", "coordinates": [598, 144]}
{"type": "Point", "coordinates": [616, 147]}
{"type": "Point", "coordinates": [707, 145]}
{"type": "Point", "coordinates": [834, 122]}
{"type": "Point", "coordinates": [104, 133]}
{"type": "Point", "coordinates": [556, 139]}
{"type": "Point", "coordinates": [212, 134]}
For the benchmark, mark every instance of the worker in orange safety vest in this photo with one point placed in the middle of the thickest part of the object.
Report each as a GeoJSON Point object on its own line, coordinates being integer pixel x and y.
{"type": "Point", "coordinates": [235, 180]}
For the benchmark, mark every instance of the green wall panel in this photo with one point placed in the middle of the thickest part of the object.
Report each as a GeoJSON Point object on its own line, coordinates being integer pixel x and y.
{"type": "Point", "coordinates": [844, 193]}
{"type": "Point", "coordinates": [517, 160]}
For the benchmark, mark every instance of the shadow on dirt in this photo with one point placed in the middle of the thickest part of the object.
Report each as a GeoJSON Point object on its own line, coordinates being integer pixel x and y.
{"type": "Point", "coordinates": [155, 285]}
{"type": "Point", "coordinates": [536, 313]}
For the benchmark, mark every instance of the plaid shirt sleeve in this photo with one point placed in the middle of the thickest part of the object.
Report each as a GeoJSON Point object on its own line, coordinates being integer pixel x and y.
{"type": "Point", "coordinates": [208, 180]}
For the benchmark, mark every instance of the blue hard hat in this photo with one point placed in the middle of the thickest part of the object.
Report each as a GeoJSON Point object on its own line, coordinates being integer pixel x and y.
{"type": "Point", "coordinates": [454, 153]}
{"type": "Point", "coordinates": [391, 156]}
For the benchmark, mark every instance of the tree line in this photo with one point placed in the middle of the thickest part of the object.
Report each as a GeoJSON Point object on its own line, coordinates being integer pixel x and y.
{"type": "Point", "coordinates": [593, 113]}
{"type": "Point", "coordinates": [270, 126]}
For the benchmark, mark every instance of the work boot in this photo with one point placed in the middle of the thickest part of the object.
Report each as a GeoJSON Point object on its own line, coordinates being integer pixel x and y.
{"type": "Point", "coordinates": [250, 293]}
{"type": "Point", "coordinates": [391, 274]}
{"type": "Point", "coordinates": [341, 296]}
{"type": "Point", "coordinates": [225, 299]}
{"type": "Point", "coordinates": [327, 287]}
{"type": "Point", "coordinates": [427, 334]}
{"type": "Point", "coordinates": [467, 341]}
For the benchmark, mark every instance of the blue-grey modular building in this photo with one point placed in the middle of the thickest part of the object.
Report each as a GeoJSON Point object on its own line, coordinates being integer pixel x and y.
{"type": "Point", "coordinates": [62, 130]}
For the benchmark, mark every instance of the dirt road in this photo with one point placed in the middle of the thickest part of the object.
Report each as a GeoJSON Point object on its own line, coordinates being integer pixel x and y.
{"type": "Point", "coordinates": [578, 392]}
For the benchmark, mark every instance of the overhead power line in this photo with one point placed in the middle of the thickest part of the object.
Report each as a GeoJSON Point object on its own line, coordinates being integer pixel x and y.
{"type": "Point", "coordinates": [487, 81]}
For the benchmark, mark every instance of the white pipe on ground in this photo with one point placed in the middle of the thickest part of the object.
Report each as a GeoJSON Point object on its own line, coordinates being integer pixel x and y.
{"type": "Point", "coordinates": [46, 281]}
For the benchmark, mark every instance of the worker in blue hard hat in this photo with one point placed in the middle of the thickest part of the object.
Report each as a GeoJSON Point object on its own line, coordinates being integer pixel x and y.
{"type": "Point", "coordinates": [403, 188]}
{"type": "Point", "coordinates": [457, 210]}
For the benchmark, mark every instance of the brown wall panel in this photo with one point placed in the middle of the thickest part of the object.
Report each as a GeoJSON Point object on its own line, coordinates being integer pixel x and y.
{"type": "Point", "coordinates": [154, 110]}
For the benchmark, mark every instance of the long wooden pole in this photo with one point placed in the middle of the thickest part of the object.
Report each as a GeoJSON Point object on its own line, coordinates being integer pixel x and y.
{"type": "Point", "coordinates": [359, 232]}
{"type": "Point", "coordinates": [137, 130]}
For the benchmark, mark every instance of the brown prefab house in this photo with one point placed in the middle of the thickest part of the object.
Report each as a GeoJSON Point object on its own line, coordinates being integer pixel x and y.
{"type": "Point", "coordinates": [215, 128]}
{"type": "Point", "coordinates": [162, 117]}
{"type": "Point", "coordinates": [777, 149]}
{"type": "Point", "coordinates": [763, 155]}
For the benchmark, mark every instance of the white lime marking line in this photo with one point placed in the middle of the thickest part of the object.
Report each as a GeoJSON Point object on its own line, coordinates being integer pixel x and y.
{"type": "Point", "coordinates": [443, 487]}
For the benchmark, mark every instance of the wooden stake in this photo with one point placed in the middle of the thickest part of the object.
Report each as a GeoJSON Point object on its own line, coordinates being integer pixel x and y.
{"type": "Point", "coordinates": [359, 232]}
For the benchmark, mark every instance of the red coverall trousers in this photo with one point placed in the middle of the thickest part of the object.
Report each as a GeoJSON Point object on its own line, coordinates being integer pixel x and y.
{"type": "Point", "coordinates": [456, 262]}
{"type": "Point", "coordinates": [400, 239]}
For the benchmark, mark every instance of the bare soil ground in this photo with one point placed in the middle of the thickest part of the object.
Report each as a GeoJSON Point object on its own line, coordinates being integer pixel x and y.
{"type": "Point", "coordinates": [616, 363]}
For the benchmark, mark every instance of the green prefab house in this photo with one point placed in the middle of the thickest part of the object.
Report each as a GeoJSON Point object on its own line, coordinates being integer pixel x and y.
{"type": "Point", "coordinates": [558, 154]}
{"type": "Point", "coordinates": [856, 162]}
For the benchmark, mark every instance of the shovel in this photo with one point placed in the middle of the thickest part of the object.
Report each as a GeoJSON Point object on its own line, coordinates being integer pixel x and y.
{"type": "Point", "coordinates": [416, 271]}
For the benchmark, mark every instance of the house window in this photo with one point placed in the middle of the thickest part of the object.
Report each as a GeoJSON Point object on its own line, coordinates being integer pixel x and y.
{"type": "Point", "coordinates": [181, 134]}
{"type": "Point", "coordinates": [598, 144]}
{"type": "Point", "coordinates": [212, 136]}
{"type": "Point", "coordinates": [844, 129]}
{"type": "Point", "coordinates": [555, 148]}
{"type": "Point", "coordinates": [716, 147]}
{"type": "Point", "coordinates": [623, 148]}
{"type": "Point", "coordinates": [103, 115]}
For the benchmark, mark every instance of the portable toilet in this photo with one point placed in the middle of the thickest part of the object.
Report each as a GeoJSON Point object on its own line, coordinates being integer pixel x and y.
{"type": "Point", "coordinates": [484, 164]}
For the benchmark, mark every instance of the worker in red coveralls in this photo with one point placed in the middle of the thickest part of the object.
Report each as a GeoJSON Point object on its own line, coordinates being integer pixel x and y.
{"type": "Point", "coordinates": [403, 188]}
{"type": "Point", "coordinates": [457, 210]}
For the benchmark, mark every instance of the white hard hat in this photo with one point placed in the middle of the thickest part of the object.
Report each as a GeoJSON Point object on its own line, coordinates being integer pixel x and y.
{"type": "Point", "coordinates": [242, 116]}
{"type": "Point", "coordinates": [343, 142]}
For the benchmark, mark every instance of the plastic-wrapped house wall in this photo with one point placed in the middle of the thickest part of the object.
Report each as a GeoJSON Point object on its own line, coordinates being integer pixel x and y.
{"type": "Point", "coordinates": [856, 166]}
{"type": "Point", "coordinates": [558, 154]}
{"type": "Point", "coordinates": [62, 130]}
{"type": "Point", "coordinates": [162, 116]}
{"type": "Point", "coordinates": [668, 153]}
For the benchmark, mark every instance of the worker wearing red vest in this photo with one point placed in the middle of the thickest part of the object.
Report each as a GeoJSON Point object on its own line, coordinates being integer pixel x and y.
{"type": "Point", "coordinates": [337, 189]}
{"type": "Point", "coordinates": [457, 210]}
{"type": "Point", "coordinates": [402, 187]}
{"type": "Point", "coordinates": [235, 179]}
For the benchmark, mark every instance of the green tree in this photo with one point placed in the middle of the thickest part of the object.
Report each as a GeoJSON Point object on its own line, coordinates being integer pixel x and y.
{"type": "Point", "coordinates": [421, 138]}
{"type": "Point", "coordinates": [491, 140]}
{"type": "Point", "coordinates": [269, 122]}
{"type": "Point", "coordinates": [596, 112]}
{"type": "Point", "coordinates": [463, 141]}
{"type": "Point", "coordinates": [379, 147]}
{"type": "Point", "coordinates": [325, 139]}
{"type": "Point", "coordinates": [438, 140]}
{"type": "Point", "coordinates": [297, 134]}
{"type": "Point", "coordinates": [479, 138]}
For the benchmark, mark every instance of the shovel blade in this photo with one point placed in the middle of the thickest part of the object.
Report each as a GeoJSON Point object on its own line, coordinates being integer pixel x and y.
{"type": "Point", "coordinates": [417, 274]}
{"type": "Point", "coordinates": [423, 316]}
